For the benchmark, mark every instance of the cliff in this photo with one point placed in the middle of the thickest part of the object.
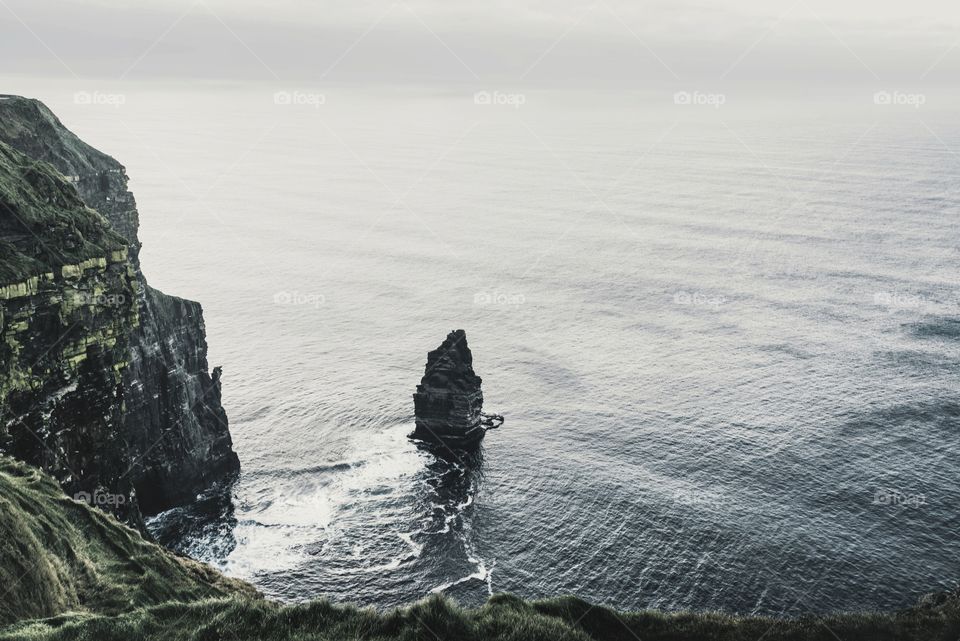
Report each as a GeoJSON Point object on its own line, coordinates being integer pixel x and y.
{"type": "Point", "coordinates": [67, 307]}
{"type": "Point", "coordinates": [69, 572]}
{"type": "Point", "coordinates": [167, 414]}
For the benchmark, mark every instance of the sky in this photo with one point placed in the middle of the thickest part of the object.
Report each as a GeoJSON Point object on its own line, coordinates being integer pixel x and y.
{"type": "Point", "coordinates": [568, 43]}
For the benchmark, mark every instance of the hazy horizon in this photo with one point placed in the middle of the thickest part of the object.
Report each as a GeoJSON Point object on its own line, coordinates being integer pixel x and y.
{"type": "Point", "coordinates": [740, 43]}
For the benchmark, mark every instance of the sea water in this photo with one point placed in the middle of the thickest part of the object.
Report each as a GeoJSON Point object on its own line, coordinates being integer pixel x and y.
{"type": "Point", "coordinates": [726, 345]}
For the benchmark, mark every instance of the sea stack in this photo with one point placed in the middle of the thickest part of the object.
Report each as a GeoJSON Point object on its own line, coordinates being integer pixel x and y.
{"type": "Point", "coordinates": [448, 400]}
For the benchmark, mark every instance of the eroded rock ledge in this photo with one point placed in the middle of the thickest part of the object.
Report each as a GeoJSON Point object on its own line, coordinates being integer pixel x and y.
{"type": "Point", "coordinates": [164, 415]}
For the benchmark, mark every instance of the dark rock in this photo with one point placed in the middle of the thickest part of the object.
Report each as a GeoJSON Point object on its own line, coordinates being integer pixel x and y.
{"type": "Point", "coordinates": [448, 402]}
{"type": "Point", "coordinates": [937, 599]}
{"type": "Point", "coordinates": [66, 317]}
{"type": "Point", "coordinates": [173, 424]}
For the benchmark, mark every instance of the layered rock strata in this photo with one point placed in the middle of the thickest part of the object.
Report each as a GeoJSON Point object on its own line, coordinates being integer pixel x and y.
{"type": "Point", "coordinates": [170, 419]}
{"type": "Point", "coordinates": [68, 306]}
{"type": "Point", "coordinates": [448, 402]}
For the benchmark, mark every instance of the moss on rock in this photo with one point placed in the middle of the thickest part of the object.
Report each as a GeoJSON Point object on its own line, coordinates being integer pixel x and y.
{"type": "Point", "coordinates": [44, 224]}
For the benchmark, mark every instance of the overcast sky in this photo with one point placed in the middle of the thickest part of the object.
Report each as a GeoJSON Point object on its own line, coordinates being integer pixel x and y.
{"type": "Point", "coordinates": [624, 44]}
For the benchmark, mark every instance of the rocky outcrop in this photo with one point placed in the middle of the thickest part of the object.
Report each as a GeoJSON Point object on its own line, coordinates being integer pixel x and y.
{"type": "Point", "coordinates": [67, 311]}
{"type": "Point", "coordinates": [173, 424]}
{"type": "Point", "coordinates": [448, 402]}
{"type": "Point", "coordinates": [175, 421]}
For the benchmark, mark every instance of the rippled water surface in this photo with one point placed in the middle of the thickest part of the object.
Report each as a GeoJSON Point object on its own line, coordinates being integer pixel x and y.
{"type": "Point", "coordinates": [726, 346]}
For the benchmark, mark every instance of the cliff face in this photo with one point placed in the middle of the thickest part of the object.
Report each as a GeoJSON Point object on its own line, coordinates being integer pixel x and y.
{"type": "Point", "coordinates": [173, 424]}
{"type": "Point", "coordinates": [67, 309]}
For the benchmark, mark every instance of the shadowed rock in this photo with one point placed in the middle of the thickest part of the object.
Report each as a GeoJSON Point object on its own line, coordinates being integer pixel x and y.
{"type": "Point", "coordinates": [166, 423]}
{"type": "Point", "coordinates": [448, 400]}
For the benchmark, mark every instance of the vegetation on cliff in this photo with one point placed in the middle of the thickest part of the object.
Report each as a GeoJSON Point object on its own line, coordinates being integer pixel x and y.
{"type": "Point", "coordinates": [70, 572]}
{"type": "Point", "coordinates": [104, 380]}
{"type": "Point", "coordinates": [44, 224]}
{"type": "Point", "coordinates": [67, 307]}
{"type": "Point", "coordinates": [59, 555]}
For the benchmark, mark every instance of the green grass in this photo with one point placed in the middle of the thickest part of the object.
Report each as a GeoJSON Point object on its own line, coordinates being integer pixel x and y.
{"type": "Point", "coordinates": [503, 617]}
{"type": "Point", "coordinates": [69, 572]}
{"type": "Point", "coordinates": [43, 222]}
{"type": "Point", "coordinates": [58, 555]}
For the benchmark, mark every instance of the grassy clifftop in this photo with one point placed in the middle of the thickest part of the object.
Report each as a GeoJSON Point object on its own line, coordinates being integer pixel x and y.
{"type": "Point", "coordinates": [58, 555]}
{"type": "Point", "coordinates": [69, 572]}
{"type": "Point", "coordinates": [502, 618]}
{"type": "Point", "coordinates": [43, 222]}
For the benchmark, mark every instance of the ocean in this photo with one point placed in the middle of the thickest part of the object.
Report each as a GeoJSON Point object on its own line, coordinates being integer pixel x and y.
{"type": "Point", "coordinates": [726, 343]}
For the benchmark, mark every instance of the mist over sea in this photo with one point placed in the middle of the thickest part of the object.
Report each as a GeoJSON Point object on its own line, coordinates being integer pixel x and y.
{"type": "Point", "coordinates": [726, 343]}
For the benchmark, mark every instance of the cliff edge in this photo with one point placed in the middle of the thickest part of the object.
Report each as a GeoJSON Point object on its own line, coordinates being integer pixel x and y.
{"type": "Point", "coordinates": [167, 414]}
